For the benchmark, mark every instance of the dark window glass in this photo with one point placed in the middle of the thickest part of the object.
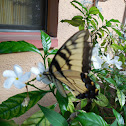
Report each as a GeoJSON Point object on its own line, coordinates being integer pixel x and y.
{"type": "Point", "coordinates": [23, 14]}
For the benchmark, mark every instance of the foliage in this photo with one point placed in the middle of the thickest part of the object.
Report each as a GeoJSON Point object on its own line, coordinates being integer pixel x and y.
{"type": "Point", "coordinates": [108, 108]}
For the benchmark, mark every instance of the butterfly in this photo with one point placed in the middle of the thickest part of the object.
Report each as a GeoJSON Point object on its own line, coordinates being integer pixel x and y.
{"type": "Point", "coordinates": [71, 65]}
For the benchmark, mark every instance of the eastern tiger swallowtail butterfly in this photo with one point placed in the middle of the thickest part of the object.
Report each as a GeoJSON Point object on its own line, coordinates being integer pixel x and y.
{"type": "Point", "coordinates": [71, 64]}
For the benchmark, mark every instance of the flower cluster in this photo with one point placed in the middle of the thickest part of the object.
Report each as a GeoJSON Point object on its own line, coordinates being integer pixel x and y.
{"type": "Point", "coordinates": [17, 77]}
{"type": "Point", "coordinates": [102, 61]}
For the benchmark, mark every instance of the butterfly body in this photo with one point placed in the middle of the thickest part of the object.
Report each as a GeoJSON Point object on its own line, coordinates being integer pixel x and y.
{"type": "Point", "coordinates": [71, 63]}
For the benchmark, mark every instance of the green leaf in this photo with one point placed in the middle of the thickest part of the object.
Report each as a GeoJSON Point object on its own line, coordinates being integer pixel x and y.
{"type": "Point", "coordinates": [111, 81]}
{"type": "Point", "coordinates": [91, 119]}
{"type": "Point", "coordinates": [102, 32]}
{"type": "Point", "coordinates": [106, 29]}
{"type": "Point", "coordinates": [118, 80]}
{"type": "Point", "coordinates": [114, 20]}
{"type": "Point", "coordinates": [121, 97]}
{"type": "Point", "coordinates": [101, 100]}
{"type": "Point", "coordinates": [77, 7]}
{"type": "Point", "coordinates": [119, 117]}
{"type": "Point", "coordinates": [54, 118]}
{"type": "Point", "coordinates": [81, 27]}
{"type": "Point", "coordinates": [117, 47]}
{"type": "Point", "coordinates": [12, 107]}
{"type": "Point", "coordinates": [75, 23]}
{"type": "Point", "coordinates": [52, 52]}
{"type": "Point", "coordinates": [78, 17]}
{"type": "Point", "coordinates": [70, 106]}
{"type": "Point", "coordinates": [103, 43]}
{"type": "Point", "coordinates": [101, 16]}
{"type": "Point", "coordinates": [84, 102]}
{"type": "Point", "coordinates": [19, 46]}
{"type": "Point", "coordinates": [46, 41]}
{"type": "Point", "coordinates": [108, 24]}
{"type": "Point", "coordinates": [4, 122]}
{"type": "Point", "coordinates": [93, 24]}
{"type": "Point", "coordinates": [37, 119]}
{"type": "Point", "coordinates": [75, 123]}
{"type": "Point", "coordinates": [96, 21]}
{"type": "Point", "coordinates": [74, 1]}
{"type": "Point", "coordinates": [63, 102]}
{"type": "Point", "coordinates": [114, 123]}
{"type": "Point", "coordinates": [49, 61]}
{"type": "Point", "coordinates": [99, 34]}
{"type": "Point", "coordinates": [93, 10]}
{"type": "Point", "coordinates": [124, 112]}
{"type": "Point", "coordinates": [117, 31]}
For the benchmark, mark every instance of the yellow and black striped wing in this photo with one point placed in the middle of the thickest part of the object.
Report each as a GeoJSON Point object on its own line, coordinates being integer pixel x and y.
{"type": "Point", "coordinates": [73, 59]}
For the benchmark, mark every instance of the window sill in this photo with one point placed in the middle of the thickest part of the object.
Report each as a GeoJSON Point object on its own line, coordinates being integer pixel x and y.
{"type": "Point", "coordinates": [30, 37]}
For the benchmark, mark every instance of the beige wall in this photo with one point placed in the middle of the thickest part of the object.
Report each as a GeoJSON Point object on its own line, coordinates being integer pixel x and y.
{"type": "Point", "coordinates": [110, 9]}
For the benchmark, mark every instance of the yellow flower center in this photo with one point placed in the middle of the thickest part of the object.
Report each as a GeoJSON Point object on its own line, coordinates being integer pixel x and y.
{"type": "Point", "coordinates": [40, 75]}
{"type": "Point", "coordinates": [17, 78]}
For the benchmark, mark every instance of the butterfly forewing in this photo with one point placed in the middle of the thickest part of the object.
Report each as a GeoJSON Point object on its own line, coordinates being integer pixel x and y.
{"type": "Point", "coordinates": [72, 59]}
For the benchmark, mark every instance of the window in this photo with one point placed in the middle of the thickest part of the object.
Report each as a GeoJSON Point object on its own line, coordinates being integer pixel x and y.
{"type": "Point", "coordinates": [23, 14]}
{"type": "Point", "coordinates": [23, 19]}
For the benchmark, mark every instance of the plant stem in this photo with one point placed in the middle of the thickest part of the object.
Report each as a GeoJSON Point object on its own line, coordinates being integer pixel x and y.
{"type": "Point", "coordinates": [31, 80]}
{"type": "Point", "coordinates": [52, 90]}
{"type": "Point", "coordinates": [34, 86]}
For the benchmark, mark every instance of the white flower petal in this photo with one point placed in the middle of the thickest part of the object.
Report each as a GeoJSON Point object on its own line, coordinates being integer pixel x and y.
{"type": "Point", "coordinates": [39, 77]}
{"type": "Point", "coordinates": [105, 65]}
{"type": "Point", "coordinates": [97, 61]}
{"type": "Point", "coordinates": [41, 67]}
{"type": "Point", "coordinates": [123, 72]}
{"type": "Point", "coordinates": [9, 73]}
{"type": "Point", "coordinates": [96, 65]}
{"type": "Point", "coordinates": [25, 77]}
{"type": "Point", "coordinates": [45, 80]}
{"type": "Point", "coordinates": [107, 59]}
{"type": "Point", "coordinates": [9, 82]}
{"type": "Point", "coordinates": [116, 58]}
{"type": "Point", "coordinates": [35, 70]}
{"type": "Point", "coordinates": [18, 70]}
{"type": "Point", "coordinates": [18, 84]}
{"type": "Point", "coordinates": [95, 51]}
{"type": "Point", "coordinates": [118, 64]}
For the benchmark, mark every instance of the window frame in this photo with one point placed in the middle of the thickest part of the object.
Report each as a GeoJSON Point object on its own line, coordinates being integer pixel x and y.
{"type": "Point", "coordinates": [43, 22]}
{"type": "Point", "coordinates": [34, 36]}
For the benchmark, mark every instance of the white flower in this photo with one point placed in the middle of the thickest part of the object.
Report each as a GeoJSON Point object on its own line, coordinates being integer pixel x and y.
{"type": "Point", "coordinates": [116, 62]}
{"type": "Point", "coordinates": [39, 73]}
{"type": "Point", "coordinates": [123, 72]}
{"type": "Point", "coordinates": [96, 59]}
{"type": "Point", "coordinates": [108, 59]}
{"type": "Point", "coordinates": [16, 77]}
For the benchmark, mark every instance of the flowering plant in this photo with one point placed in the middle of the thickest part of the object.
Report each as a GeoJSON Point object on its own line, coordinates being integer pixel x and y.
{"type": "Point", "coordinates": [108, 73]}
